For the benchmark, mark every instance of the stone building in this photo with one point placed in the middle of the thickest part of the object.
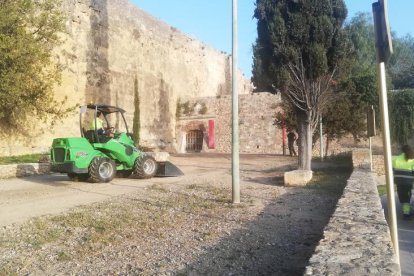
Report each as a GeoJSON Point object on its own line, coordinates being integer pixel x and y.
{"type": "Point", "coordinates": [110, 43]}
{"type": "Point", "coordinates": [257, 133]}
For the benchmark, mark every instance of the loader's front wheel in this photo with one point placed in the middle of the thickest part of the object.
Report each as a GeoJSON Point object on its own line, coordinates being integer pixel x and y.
{"type": "Point", "coordinates": [102, 169]}
{"type": "Point", "coordinates": [145, 166]}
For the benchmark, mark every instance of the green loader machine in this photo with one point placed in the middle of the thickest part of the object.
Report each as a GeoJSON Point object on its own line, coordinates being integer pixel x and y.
{"type": "Point", "coordinates": [105, 149]}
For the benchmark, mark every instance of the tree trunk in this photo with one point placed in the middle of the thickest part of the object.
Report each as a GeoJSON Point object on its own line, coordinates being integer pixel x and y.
{"type": "Point", "coordinates": [305, 139]}
{"type": "Point", "coordinates": [328, 139]}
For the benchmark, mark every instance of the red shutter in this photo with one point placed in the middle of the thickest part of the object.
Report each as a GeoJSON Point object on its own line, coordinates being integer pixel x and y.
{"type": "Point", "coordinates": [211, 135]}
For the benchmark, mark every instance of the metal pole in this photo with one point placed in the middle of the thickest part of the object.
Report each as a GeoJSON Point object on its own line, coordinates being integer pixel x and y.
{"type": "Point", "coordinates": [235, 112]}
{"type": "Point", "coordinates": [392, 220]}
{"type": "Point", "coordinates": [284, 137]}
{"type": "Point", "coordinates": [321, 136]}
{"type": "Point", "coordinates": [370, 153]}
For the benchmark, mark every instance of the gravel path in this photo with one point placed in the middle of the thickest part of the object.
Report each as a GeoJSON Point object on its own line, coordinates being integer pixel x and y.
{"type": "Point", "coordinates": [183, 226]}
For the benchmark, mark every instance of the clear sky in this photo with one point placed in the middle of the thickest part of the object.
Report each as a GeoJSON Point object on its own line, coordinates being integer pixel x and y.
{"type": "Point", "coordinates": [210, 21]}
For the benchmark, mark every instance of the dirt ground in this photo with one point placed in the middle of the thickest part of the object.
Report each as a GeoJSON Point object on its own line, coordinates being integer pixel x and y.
{"type": "Point", "coordinates": [169, 226]}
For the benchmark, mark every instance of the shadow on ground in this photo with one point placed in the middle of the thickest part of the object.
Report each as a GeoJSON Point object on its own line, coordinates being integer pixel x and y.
{"type": "Point", "coordinates": [281, 240]}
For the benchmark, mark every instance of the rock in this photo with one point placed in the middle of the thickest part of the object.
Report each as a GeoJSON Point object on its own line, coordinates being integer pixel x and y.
{"type": "Point", "coordinates": [159, 156]}
{"type": "Point", "coordinates": [297, 177]}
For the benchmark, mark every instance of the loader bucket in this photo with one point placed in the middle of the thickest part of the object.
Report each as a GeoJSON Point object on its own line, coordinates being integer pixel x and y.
{"type": "Point", "coordinates": [167, 168]}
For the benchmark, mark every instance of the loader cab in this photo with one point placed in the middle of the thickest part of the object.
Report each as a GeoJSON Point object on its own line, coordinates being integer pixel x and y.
{"type": "Point", "coordinates": [114, 125]}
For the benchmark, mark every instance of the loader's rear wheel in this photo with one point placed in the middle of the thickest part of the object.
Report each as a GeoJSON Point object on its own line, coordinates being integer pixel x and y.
{"type": "Point", "coordinates": [145, 166]}
{"type": "Point", "coordinates": [102, 169]}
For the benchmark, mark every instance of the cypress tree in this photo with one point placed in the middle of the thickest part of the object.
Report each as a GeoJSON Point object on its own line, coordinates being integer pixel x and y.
{"type": "Point", "coordinates": [137, 119]}
{"type": "Point", "coordinates": [299, 49]}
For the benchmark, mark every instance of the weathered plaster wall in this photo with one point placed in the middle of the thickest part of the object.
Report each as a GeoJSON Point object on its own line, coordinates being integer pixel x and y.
{"type": "Point", "coordinates": [109, 43]}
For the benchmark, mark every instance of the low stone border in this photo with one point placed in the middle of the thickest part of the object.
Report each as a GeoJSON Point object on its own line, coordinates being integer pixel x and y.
{"type": "Point", "coordinates": [357, 239]}
{"type": "Point", "coordinates": [21, 170]}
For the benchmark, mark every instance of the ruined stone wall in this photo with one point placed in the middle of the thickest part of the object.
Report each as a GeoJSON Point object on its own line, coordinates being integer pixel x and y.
{"type": "Point", "coordinates": [257, 134]}
{"type": "Point", "coordinates": [109, 43]}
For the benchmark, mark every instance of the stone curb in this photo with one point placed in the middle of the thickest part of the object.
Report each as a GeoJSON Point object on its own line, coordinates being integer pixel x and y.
{"type": "Point", "coordinates": [22, 170]}
{"type": "Point", "coordinates": [357, 239]}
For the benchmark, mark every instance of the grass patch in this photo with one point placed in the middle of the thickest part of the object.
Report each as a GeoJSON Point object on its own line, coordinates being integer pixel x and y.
{"type": "Point", "coordinates": [27, 158]}
{"type": "Point", "coordinates": [332, 181]}
{"type": "Point", "coordinates": [40, 232]}
{"type": "Point", "coordinates": [158, 187]}
{"type": "Point", "coordinates": [193, 186]}
{"type": "Point", "coordinates": [382, 189]}
{"type": "Point", "coordinates": [340, 160]}
{"type": "Point", "coordinates": [86, 230]}
{"type": "Point", "coordinates": [7, 272]}
{"type": "Point", "coordinates": [62, 256]}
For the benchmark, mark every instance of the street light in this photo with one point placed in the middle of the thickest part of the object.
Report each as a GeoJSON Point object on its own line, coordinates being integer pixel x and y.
{"type": "Point", "coordinates": [235, 112]}
{"type": "Point", "coordinates": [383, 46]}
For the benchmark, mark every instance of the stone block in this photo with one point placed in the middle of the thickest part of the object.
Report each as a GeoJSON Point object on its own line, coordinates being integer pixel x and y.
{"type": "Point", "coordinates": [360, 159]}
{"type": "Point", "coordinates": [159, 156]}
{"type": "Point", "coordinates": [297, 177]}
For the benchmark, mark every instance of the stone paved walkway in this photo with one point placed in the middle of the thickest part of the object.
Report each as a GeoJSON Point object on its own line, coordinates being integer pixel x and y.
{"type": "Point", "coordinates": [405, 237]}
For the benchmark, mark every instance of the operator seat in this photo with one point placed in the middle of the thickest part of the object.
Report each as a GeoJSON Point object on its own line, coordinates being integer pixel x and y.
{"type": "Point", "coordinates": [90, 136]}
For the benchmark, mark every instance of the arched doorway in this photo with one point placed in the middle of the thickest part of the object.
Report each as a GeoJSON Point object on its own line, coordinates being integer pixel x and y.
{"type": "Point", "coordinates": [194, 140]}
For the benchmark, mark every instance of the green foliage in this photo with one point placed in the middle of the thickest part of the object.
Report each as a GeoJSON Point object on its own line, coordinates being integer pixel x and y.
{"type": "Point", "coordinates": [346, 112]}
{"type": "Point", "coordinates": [401, 115]}
{"type": "Point", "coordinates": [27, 158]}
{"type": "Point", "coordinates": [29, 30]}
{"type": "Point", "coordinates": [401, 64]}
{"type": "Point", "coordinates": [360, 30]}
{"type": "Point", "coordinates": [301, 48]}
{"type": "Point", "coordinates": [136, 127]}
{"type": "Point", "coordinates": [294, 32]}
{"type": "Point", "coordinates": [186, 108]}
{"type": "Point", "coordinates": [287, 117]}
{"type": "Point", "coordinates": [178, 109]}
{"type": "Point", "coordinates": [203, 109]}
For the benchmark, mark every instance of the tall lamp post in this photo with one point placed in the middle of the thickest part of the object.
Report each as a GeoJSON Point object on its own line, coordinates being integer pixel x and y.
{"type": "Point", "coordinates": [235, 112]}
{"type": "Point", "coordinates": [383, 45]}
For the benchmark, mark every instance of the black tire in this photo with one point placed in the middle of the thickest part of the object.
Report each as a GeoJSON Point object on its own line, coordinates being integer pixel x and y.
{"type": "Point", "coordinates": [145, 167]}
{"type": "Point", "coordinates": [124, 174]}
{"type": "Point", "coordinates": [101, 169]}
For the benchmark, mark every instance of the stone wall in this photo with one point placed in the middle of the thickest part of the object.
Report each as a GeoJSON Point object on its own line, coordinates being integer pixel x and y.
{"type": "Point", "coordinates": [257, 133]}
{"type": "Point", "coordinates": [106, 46]}
{"type": "Point", "coordinates": [357, 239]}
{"type": "Point", "coordinates": [361, 159]}
{"type": "Point", "coordinates": [378, 165]}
